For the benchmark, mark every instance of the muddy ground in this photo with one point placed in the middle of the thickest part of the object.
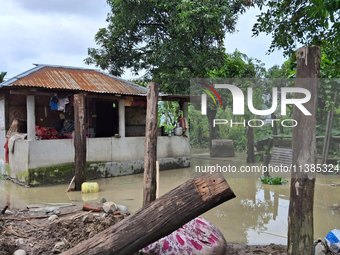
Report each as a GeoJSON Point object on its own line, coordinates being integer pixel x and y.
{"type": "Point", "coordinates": [35, 234]}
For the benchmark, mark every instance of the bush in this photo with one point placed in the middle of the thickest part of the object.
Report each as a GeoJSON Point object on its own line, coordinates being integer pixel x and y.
{"type": "Point", "coordinates": [273, 180]}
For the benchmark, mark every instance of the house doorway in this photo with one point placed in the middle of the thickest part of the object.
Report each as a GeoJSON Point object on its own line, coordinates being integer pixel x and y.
{"type": "Point", "coordinates": [107, 118]}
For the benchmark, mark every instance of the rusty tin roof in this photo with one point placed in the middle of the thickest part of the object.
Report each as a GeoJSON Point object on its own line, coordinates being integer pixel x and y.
{"type": "Point", "coordinates": [74, 78]}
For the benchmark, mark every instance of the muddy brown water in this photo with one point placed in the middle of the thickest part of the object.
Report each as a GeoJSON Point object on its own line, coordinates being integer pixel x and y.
{"type": "Point", "coordinates": [256, 210]}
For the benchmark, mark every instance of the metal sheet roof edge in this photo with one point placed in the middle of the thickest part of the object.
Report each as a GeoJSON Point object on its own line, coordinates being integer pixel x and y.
{"type": "Point", "coordinates": [19, 76]}
{"type": "Point", "coordinates": [40, 66]}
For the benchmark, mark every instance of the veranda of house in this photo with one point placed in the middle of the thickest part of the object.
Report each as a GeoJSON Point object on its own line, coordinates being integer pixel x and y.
{"type": "Point", "coordinates": [115, 115]}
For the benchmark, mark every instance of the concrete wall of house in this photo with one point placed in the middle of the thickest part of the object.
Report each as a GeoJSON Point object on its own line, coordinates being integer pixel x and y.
{"type": "Point", "coordinates": [45, 153]}
{"type": "Point", "coordinates": [19, 161]}
{"type": "Point", "coordinates": [2, 135]}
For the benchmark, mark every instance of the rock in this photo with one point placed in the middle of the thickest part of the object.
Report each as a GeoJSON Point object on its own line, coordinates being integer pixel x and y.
{"type": "Point", "coordinates": [58, 247]}
{"type": "Point", "coordinates": [8, 212]}
{"type": "Point", "coordinates": [40, 209]}
{"type": "Point", "coordinates": [88, 218]}
{"type": "Point", "coordinates": [53, 217]}
{"type": "Point", "coordinates": [125, 213]}
{"type": "Point", "coordinates": [109, 207]}
{"type": "Point", "coordinates": [56, 211]}
{"type": "Point", "coordinates": [90, 207]}
{"type": "Point", "coordinates": [49, 209]}
{"type": "Point", "coordinates": [20, 241]}
{"type": "Point", "coordinates": [320, 248]}
{"type": "Point", "coordinates": [103, 200]}
{"type": "Point", "coordinates": [119, 217]}
{"type": "Point", "coordinates": [122, 208]}
{"type": "Point", "coordinates": [19, 252]}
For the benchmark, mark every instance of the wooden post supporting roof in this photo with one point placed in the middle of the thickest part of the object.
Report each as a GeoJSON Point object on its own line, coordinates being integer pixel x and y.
{"type": "Point", "coordinates": [300, 219]}
{"type": "Point", "coordinates": [159, 218]}
{"type": "Point", "coordinates": [150, 153]}
{"type": "Point", "coordinates": [79, 139]}
{"type": "Point", "coordinates": [30, 101]}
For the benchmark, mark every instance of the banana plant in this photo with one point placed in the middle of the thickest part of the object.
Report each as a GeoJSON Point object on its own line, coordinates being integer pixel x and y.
{"type": "Point", "coordinates": [2, 76]}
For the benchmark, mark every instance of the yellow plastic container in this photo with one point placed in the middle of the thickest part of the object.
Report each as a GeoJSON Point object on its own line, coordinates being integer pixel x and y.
{"type": "Point", "coordinates": [89, 196]}
{"type": "Point", "coordinates": [89, 187]}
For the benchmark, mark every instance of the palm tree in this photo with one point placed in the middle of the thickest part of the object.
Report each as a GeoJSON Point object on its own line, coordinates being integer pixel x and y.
{"type": "Point", "coordinates": [2, 76]}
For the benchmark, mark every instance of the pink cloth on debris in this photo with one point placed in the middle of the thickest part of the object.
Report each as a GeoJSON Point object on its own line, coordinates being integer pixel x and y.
{"type": "Point", "coordinates": [198, 236]}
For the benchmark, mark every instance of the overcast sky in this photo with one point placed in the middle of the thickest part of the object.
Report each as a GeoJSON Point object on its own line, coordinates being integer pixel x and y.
{"type": "Point", "coordinates": [59, 32]}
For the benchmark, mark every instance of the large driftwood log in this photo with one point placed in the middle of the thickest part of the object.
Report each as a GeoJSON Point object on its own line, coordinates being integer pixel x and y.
{"type": "Point", "coordinates": [159, 218]}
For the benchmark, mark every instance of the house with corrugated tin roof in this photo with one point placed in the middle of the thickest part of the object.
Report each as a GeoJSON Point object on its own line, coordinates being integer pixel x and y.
{"type": "Point", "coordinates": [40, 103]}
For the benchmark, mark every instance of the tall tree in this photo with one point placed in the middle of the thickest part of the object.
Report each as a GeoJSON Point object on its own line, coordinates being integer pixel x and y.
{"type": "Point", "coordinates": [172, 40]}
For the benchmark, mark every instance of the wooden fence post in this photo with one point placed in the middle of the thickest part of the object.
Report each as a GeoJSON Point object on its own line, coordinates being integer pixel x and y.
{"type": "Point", "coordinates": [300, 218]}
{"type": "Point", "coordinates": [150, 153]}
{"type": "Point", "coordinates": [79, 139]}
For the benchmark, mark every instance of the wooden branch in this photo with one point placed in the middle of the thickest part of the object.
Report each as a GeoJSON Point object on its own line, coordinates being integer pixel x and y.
{"type": "Point", "coordinates": [159, 218]}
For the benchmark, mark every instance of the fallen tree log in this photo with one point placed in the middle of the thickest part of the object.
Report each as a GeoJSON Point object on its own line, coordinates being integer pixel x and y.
{"type": "Point", "coordinates": [159, 218]}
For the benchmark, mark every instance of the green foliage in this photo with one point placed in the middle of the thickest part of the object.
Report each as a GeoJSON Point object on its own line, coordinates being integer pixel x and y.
{"type": "Point", "coordinates": [172, 40]}
{"type": "Point", "coordinates": [238, 135]}
{"type": "Point", "coordinates": [293, 22]}
{"type": "Point", "coordinates": [239, 65]}
{"type": "Point", "coordinates": [273, 180]}
{"type": "Point", "coordinates": [321, 130]}
{"type": "Point", "coordinates": [329, 82]}
{"type": "Point", "coordinates": [199, 129]}
{"type": "Point", "coordinates": [2, 76]}
{"type": "Point", "coordinates": [168, 114]}
{"type": "Point", "coordinates": [141, 82]}
{"type": "Point", "coordinates": [282, 71]}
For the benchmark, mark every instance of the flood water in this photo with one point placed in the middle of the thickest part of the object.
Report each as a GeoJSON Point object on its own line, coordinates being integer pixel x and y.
{"type": "Point", "coordinates": [257, 208]}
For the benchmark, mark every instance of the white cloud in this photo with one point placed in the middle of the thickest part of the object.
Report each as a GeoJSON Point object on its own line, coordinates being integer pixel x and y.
{"type": "Point", "coordinates": [52, 37]}
{"type": "Point", "coordinates": [60, 32]}
{"type": "Point", "coordinates": [255, 47]}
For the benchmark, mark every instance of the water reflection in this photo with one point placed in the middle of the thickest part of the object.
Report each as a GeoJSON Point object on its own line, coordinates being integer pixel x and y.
{"type": "Point", "coordinates": [256, 208]}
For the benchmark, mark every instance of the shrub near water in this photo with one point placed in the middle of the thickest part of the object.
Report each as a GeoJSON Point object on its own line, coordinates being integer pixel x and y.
{"type": "Point", "coordinates": [273, 180]}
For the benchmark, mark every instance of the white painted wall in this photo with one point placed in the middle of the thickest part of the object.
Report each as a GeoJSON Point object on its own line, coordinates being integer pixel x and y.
{"type": "Point", "coordinates": [2, 129]}
{"type": "Point", "coordinates": [33, 154]}
{"type": "Point", "coordinates": [18, 161]}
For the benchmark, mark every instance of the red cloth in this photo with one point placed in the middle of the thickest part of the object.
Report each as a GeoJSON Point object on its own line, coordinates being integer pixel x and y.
{"type": "Point", "coordinates": [7, 150]}
{"type": "Point", "coordinates": [46, 132]}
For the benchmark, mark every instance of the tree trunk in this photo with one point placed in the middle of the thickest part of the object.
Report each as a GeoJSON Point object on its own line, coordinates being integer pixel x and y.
{"type": "Point", "coordinates": [150, 153]}
{"type": "Point", "coordinates": [300, 219]}
{"type": "Point", "coordinates": [211, 114]}
{"type": "Point", "coordinates": [79, 139]}
{"type": "Point", "coordinates": [159, 218]}
{"type": "Point", "coordinates": [250, 145]}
